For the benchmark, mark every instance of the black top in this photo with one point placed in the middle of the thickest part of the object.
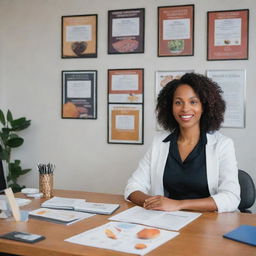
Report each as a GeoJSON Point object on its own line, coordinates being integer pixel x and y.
{"type": "Point", "coordinates": [187, 179]}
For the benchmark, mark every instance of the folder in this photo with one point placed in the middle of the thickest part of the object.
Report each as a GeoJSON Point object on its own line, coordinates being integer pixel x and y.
{"type": "Point", "coordinates": [244, 234]}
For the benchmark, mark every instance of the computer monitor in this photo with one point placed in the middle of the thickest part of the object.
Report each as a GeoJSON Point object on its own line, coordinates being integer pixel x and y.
{"type": "Point", "coordinates": [2, 178]}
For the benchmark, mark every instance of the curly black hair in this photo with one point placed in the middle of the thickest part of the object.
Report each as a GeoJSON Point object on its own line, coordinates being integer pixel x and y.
{"type": "Point", "coordinates": [209, 93]}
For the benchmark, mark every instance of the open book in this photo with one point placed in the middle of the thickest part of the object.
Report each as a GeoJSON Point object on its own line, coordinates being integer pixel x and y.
{"type": "Point", "coordinates": [59, 216]}
{"type": "Point", "coordinates": [160, 219]}
{"type": "Point", "coordinates": [80, 205]}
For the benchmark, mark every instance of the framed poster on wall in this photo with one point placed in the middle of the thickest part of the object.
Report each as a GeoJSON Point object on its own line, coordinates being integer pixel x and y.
{"type": "Point", "coordinates": [79, 36]}
{"type": "Point", "coordinates": [176, 30]}
{"type": "Point", "coordinates": [232, 83]}
{"type": "Point", "coordinates": [125, 123]}
{"type": "Point", "coordinates": [126, 31]}
{"type": "Point", "coordinates": [125, 85]}
{"type": "Point", "coordinates": [79, 94]}
{"type": "Point", "coordinates": [164, 77]}
{"type": "Point", "coordinates": [227, 35]}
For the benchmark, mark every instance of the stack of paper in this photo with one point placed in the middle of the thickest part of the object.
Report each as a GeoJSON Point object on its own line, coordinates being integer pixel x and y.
{"type": "Point", "coordinates": [79, 205]}
{"type": "Point", "coordinates": [59, 216]}
{"type": "Point", "coordinates": [160, 219]}
{"type": "Point", "coordinates": [62, 203]}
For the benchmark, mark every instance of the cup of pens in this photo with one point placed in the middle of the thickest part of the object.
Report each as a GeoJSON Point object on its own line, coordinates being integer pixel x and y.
{"type": "Point", "coordinates": [46, 179]}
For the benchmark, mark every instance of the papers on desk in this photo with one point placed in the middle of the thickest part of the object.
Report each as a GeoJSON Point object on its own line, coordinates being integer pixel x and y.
{"type": "Point", "coordinates": [160, 219]}
{"type": "Point", "coordinates": [99, 208]}
{"type": "Point", "coordinates": [62, 203]}
{"type": "Point", "coordinates": [20, 202]}
{"type": "Point", "coordinates": [79, 205]}
{"type": "Point", "coordinates": [124, 237]}
{"type": "Point", "coordinates": [59, 216]}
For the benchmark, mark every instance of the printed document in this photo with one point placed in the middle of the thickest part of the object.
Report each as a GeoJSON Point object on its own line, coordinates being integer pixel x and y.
{"type": "Point", "coordinates": [59, 216]}
{"type": "Point", "coordinates": [79, 205]}
{"type": "Point", "coordinates": [62, 203]}
{"type": "Point", "coordinates": [124, 237]}
{"type": "Point", "coordinates": [160, 219]}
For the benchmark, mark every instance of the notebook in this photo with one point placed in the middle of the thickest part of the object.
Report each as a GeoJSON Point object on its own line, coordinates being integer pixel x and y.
{"type": "Point", "coordinates": [244, 234]}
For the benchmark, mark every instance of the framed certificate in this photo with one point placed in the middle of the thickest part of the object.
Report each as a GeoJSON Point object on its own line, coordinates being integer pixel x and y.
{"type": "Point", "coordinates": [232, 83]}
{"type": "Point", "coordinates": [176, 30]}
{"type": "Point", "coordinates": [79, 94]}
{"type": "Point", "coordinates": [126, 31]}
{"type": "Point", "coordinates": [164, 77]}
{"type": "Point", "coordinates": [125, 123]}
{"type": "Point", "coordinates": [79, 36]}
{"type": "Point", "coordinates": [227, 35]}
{"type": "Point", "coordinates": [125, 85]}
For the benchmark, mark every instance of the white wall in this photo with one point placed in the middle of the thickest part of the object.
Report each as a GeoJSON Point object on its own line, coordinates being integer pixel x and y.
{"type": "Point", "coordinates": [30, 85]}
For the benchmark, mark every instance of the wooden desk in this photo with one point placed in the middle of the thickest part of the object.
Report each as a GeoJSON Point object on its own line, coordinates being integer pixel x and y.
{"type": "Point", "coordinates": [201, 237]}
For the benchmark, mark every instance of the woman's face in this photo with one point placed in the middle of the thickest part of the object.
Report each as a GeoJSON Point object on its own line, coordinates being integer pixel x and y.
{"type": "Point", "coordinates": [187, 107]}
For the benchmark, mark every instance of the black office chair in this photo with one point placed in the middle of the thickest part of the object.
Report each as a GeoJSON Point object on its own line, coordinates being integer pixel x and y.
{"type": "Point", "coordinates": [2, 179]}
{"type": "Point", "coordinates": [248, 192]}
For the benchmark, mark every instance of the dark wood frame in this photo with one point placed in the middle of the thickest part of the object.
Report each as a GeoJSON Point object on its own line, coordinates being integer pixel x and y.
{"type": "Point", "coordinates": [140, 39]}
{"type": "Point", "coordinates": [127, 70]}
{"type": "Point", "coordinates": [80, 45]}
{"type": "Point", "coordinates": [142, 124]}
{"type": "Point", "coordinates": [94, 97]}
{"type": "Point", "coordinates": [244, 38]}
{"type": "Point", "coordinates": [188, 43]}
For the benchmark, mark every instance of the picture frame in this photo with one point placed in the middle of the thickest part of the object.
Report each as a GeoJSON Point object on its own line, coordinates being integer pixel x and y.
{"type": "Point", "coordinates": [126, 31]}
{"type": "Point", "coordinates": [233, 85]}
{"type": "Point", "coordinates": [79, 36]}
{"type": "Point", "coordinates": [228, 35]}
{"type": "Point", "coordinates": [125, 124]}
{"type": "Point", "coordinates": [126, 85]}
{"type": "Point", "coordinates": [176, 31]}
{"type": "Point", "coordinates": [164, 77]}
{"type": "Point", "coordinates": [79, 94]}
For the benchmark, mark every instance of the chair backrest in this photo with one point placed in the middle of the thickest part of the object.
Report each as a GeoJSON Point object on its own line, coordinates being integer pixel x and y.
{"type": "Point", "coordinates": [2, 179]}
{"type": "Point", "coordinates": [248, 193]}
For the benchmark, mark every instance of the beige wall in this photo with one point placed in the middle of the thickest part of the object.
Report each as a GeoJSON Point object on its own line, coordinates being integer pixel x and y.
{"type": "Point", "coordinates": [30, 85]}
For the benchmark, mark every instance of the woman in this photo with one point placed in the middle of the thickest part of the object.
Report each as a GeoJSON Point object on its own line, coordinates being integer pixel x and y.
{"type": "Point", "coordinates": [189, 166]}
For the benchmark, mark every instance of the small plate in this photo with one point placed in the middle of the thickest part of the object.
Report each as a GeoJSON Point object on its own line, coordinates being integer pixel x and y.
{"type": "Point", "coordinates": [30, 190]}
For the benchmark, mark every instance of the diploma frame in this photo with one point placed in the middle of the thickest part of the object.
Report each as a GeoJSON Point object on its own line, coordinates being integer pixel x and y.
{"type": "Point", "coordinates": [79, 36]}
{"type": "Point", "coordinates": [235, 114]}
{"type": "Point", "coordinates": [236, 44]}
{"type": "Point", "coordinates": [180, 41]}
{"type": "Point", "coordinates": [124, 39]}
{"type": "Point", "coordinates": [126, 85]}
{"type": "Point", "coordinates": [79, 94]}
{"type": "Point", "coordinates": [125, 124]}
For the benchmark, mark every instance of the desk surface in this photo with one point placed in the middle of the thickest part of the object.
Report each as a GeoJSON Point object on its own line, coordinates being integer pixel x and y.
{"type": "Point", "coordinates": [201, 237]}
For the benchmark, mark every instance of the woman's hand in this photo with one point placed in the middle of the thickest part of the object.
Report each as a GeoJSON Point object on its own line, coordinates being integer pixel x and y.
{"type": "Point", "coordinates": [162, 203]}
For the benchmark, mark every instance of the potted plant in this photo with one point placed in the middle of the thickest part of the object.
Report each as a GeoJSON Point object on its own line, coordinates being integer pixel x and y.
{"type": "Point", "coordinates": [9, 140]}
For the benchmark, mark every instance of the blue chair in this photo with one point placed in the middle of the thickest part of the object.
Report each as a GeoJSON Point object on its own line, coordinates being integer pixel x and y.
{"type": "Point", "coordinates": [248, 193]}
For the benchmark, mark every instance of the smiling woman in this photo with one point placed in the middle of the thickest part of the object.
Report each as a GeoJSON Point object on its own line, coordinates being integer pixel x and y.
{"type": "Point", "coordinates": [190, 165]}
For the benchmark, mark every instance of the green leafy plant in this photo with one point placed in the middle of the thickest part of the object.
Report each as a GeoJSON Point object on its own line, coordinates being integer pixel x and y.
{"type": "Point", "coordinates": [8, 140]}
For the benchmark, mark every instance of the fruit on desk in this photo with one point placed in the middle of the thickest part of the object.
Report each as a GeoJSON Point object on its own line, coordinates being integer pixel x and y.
{"type": "Point", "coordinates": [110, 234]}
{"type": "Point", "coordinates": [70, 110]}
{"type": "Point", "coordinates": [148, 233]}
{"type": "Point", "coordinates": [140, 246]}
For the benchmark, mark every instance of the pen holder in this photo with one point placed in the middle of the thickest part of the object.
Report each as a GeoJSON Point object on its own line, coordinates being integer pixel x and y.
{"type": "Point", "coordinates": [46, 185]}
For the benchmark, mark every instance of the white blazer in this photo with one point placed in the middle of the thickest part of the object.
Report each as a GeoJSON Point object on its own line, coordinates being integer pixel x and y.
{"type": "Point", "coordinates": [221, 165]}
